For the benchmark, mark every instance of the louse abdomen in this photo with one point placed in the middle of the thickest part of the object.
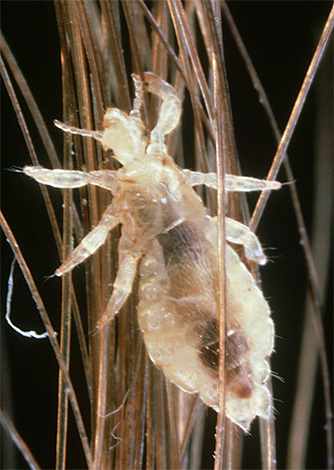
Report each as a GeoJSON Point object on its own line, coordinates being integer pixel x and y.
{"type": "Point", "coordinates": [178, 314]}
{"type": "Point", "coordinates": [189, 304]}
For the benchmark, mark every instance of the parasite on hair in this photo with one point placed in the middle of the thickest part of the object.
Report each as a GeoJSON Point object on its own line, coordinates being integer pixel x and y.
{"type": "Point", "coordinates": [168, 237]}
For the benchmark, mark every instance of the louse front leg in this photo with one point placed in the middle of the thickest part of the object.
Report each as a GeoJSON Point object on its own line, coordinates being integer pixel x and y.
{"type": "Point", "coordinates": [232, 182]}
{"type": "Point", "coordinates": [169, 114]}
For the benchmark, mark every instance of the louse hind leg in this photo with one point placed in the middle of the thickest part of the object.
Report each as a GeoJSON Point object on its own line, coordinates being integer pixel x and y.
{"type": "Point", "coordinates": [170, 111]}
{"type": "Point", "coordinates": [122, 287]}
{"type": "Point", "coordinates": [232, 182]}
{"type": "Point", "coordinates": [238, 233]}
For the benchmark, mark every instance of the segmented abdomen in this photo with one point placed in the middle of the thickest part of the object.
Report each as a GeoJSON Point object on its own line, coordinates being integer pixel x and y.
{"type": "Point", "coordinates": [177, 313]}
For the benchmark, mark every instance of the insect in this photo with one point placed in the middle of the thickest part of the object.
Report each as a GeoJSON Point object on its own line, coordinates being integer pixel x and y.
{"type": "Point", "coordinates": [169, 237]}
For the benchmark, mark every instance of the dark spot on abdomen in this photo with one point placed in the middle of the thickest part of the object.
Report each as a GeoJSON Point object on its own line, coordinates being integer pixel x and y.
{"type": "Point", "coordinates": [239, 382]}
{"type": "Point", "coordinates": [182, 241]}
{"type": "Point", "coordinates": [235, 349]}
{"type": "Point", "coordinates": [209, 347]}
{"type": "Point", "coordinates": [238, 379]}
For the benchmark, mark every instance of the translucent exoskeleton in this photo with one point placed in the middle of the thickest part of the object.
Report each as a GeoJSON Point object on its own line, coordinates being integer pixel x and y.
{"type": "Point", "coordinates": [169, 237]}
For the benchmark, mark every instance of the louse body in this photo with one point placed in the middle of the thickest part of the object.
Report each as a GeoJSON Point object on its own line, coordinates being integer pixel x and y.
{"type": "Point", "coordinates": [167, 232]}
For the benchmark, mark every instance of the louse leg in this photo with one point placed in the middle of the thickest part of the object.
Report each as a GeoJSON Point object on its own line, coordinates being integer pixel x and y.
{"type": "Point", "coordinates": [170, 111]}
{"type": "Point", "coordinates": [97, 237]}
{"type": "Point", "coordinates": [71, 178]}
{"type": "Point", "coordinates": [232, 182]}
{"type": "Point", "coordinates": [75, 179]}
{"type": "Point", "coordinates": [92, 241]}
{"type": "Point", "coordinates": [238, 233]}
{"type": "Point", "coordinates": [122, 287]}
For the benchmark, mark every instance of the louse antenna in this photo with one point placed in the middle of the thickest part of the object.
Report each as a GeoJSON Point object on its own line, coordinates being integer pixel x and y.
{"type": "Point", "coordinates": [138, 101]}
{"type": "Point", "coordinates": [75, 130]}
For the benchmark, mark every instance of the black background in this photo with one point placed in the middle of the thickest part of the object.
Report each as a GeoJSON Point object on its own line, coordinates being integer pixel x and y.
{"type": "Point", "coordinates": [281, 38]}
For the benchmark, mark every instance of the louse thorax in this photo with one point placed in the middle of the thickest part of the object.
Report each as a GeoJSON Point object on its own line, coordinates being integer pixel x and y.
{"type": "Point", "coordinates": [156, 196]}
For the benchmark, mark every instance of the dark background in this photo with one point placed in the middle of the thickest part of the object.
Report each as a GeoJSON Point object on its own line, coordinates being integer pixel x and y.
{"type": "Point", "coordinates": [281, 38]}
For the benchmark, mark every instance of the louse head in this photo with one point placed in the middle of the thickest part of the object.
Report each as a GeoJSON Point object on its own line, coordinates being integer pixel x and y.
{"type": "Point", "coordinates": [124, 135]}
